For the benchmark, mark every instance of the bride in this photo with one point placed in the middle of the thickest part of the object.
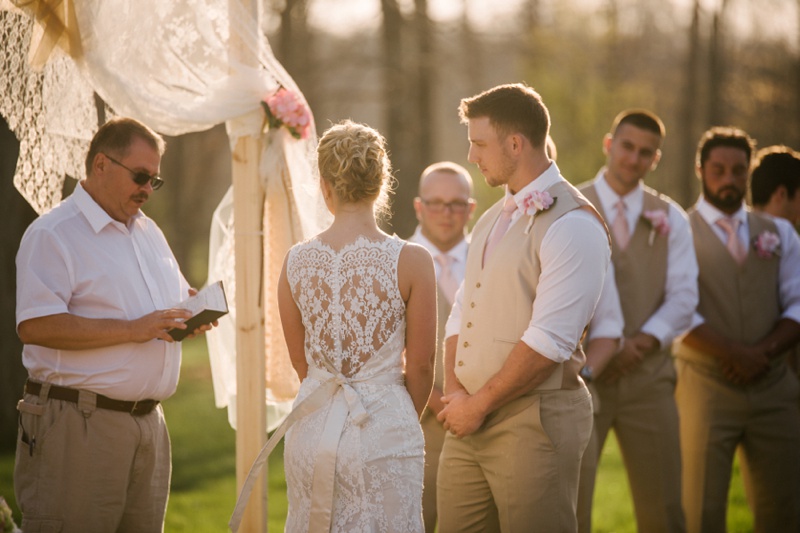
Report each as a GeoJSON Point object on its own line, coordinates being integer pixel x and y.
{"type": "Point", "coordinates": [358, 311]}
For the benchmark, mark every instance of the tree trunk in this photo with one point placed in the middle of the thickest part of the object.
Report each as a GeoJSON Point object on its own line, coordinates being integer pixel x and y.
{"type": "Point", "coordinates": [18, 215]}
{"type": "Point", "coordinates": [716, 68]}
{"type": "Point", "coordinates": [686, 123]}
{"type": "Point", "coordinates": [295, 48]}
{"type": "Point", "coordinates": [400, 130]}
{"type": "Point", "coordinates": [424, 92]}
{"type": "Point", "coordinates": [473, 70]}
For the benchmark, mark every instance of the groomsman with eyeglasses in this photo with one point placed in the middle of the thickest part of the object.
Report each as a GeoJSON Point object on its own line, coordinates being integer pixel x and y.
{"type": "Point", "coordinates": [443, 208]}
{"type": "Point", "coordinates": [735, 390]}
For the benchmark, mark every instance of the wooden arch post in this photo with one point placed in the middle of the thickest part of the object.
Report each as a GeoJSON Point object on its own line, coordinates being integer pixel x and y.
{"type": "Point", "coordinates": [251, 410]}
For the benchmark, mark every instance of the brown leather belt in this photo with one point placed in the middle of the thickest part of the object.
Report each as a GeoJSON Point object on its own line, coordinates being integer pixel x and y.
{"type": "Point", "coordinates": [138, 408]}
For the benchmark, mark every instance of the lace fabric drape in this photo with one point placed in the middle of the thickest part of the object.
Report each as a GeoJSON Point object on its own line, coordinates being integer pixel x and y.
{"type": "Point", "coordinates": [178, 66]}
{"type": "Point", "coordinates": [354, 319]}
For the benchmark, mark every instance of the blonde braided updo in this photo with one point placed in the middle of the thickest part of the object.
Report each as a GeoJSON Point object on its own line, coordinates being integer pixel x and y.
{"type": "Point", "coordinates": [353, 159]}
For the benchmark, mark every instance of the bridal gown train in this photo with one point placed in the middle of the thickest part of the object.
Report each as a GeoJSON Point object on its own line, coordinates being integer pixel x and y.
{"type": "Point", "coordinates": [355, 464]}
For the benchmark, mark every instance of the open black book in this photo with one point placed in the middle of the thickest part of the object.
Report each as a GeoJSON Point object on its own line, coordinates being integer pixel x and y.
{"type": "Point", "coordinates": [206, 306]}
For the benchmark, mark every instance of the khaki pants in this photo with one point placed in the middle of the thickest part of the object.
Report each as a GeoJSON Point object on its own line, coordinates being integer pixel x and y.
{"type": "Point", "coordinates": [641, 409]}
{"type": "Point", "coordinates": [434, 439]}
{"type": "Point", "coordinates": [90, 470]}
{"type": "Point", "coordinates": [519, 472]}
{"type": "Point", "coordinates": [762, 422]}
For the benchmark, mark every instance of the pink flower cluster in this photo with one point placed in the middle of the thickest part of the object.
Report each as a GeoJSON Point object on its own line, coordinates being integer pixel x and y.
{"type": "Point", "coordinates": [767, 244]}
{"type": "Point", "coordinates": [285, 108]}
{"type": "Point", "coordinates": [536, 201]}
{"type": "Point", "coordinates": [659, 220]}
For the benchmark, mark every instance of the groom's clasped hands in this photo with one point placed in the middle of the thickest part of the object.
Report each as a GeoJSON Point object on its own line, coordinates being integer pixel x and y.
{"type": "Point", "coordinates": [461, 414]}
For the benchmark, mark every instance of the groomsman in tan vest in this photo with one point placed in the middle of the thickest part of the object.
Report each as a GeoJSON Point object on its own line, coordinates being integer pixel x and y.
{"type": "Point", "coordinates": [518, 415]}
{"type": "Point", "coordinates": [775, 183]}
{"type": "Point", "coordinates": [735, 390]}
{"type": "Point", "coordinates": [444, 207]}
{"type": "Point", "coordinates": [775, 191]}
{"type": "Point", "coordinates": [656, 276]}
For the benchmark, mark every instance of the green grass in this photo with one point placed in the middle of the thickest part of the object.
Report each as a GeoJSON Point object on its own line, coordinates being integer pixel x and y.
{"type": "Point", "coordinates": [204, 472]}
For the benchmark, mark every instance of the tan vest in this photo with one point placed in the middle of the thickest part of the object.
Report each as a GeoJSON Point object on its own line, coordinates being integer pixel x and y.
{"type": "Point", "coordinates": [739, 302]}
{"type": "Point", "coordinates": [641, 269]}
{"type": "Point", "coordinates": [498, 298]}
{"type": "Point", "coordinates": [443, 312]}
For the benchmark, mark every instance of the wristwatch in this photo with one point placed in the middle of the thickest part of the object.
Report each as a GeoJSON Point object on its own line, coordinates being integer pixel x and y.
{"type": "Point", "coordinates": [586, 373]}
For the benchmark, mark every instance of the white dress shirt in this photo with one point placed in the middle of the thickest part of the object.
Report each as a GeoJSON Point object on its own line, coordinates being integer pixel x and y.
{"type": "Point", "coordinates": [574, 256]}
{"type": "Point", "coordinates": [458, 253]}
{"type": "Point", "coordinates": [76, 259]}
{"type": "Point", "coordinates": [608, 321]}
{"type": "Point", "coordinates": [674, 316]}
{"type": "Point", "coordinates": [788, 269]}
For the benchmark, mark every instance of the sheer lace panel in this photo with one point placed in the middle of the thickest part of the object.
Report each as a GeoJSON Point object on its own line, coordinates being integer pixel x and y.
{"type": "Point", "coordinates": [349, 299]}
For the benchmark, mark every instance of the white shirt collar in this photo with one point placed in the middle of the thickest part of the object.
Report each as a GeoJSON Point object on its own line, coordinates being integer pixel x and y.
{"type": "Point", "coordinates": [633, 201]}
{"type": "Point", "coordinates": [97, 216]}
{"type": "Point", "coordinates": [544, 181]}
{"type": "Point", "coordinates": [711, 214]}
{"type": "Point", "coordinates": [458, 252]}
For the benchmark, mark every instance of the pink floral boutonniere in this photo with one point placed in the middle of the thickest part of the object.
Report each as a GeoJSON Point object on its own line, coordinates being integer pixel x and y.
{"type": "Point", "coordinates": [767, 245]}
{"type": "Point", "coordinates": [659, 223]}
{"type": "Point", "coordinates": [285, 108]}
{"type": "Point", "coordinates": [535, 202]}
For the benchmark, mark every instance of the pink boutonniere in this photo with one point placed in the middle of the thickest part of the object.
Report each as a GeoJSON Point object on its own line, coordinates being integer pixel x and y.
{"type": "Point", "coordinates": [535, 202]}
{"type": "Point", "coordinates": [659, 223]}
{"type": "Point", "coordinates": [285, 108]}
{"type": "Point", "coordinates": [767, 245]}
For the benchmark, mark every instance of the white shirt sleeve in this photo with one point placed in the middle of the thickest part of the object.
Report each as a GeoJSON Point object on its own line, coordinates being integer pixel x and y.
{"type": "Point", "coordinates": [607, 322]}
{"type": "Point", "coordinates": [574, 257]}
{"type": "Point", "coordinates": [453, 325]}
{"type": "Point", "coordinates": [43, 279]}
{"type": "Point", "coordinates": [789, 271]}
{"type": "Point", "coordinates": [674, 316]}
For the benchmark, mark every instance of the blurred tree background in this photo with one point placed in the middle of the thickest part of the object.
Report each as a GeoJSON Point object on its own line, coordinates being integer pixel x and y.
{"type": "Point", "coordinates": [403, 65]}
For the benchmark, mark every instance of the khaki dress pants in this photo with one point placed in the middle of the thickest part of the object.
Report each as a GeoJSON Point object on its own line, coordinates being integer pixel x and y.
{"type": "Point", "coordinates": [759, 420]}
{"type": "Point", "coordinates": [434, 439]}
{"type": "Point", "coordinates": [519, 472]}
{"type": "Point", "coordinates": [640, 407]}
{"type": "Point", "coordinates": [87, 470]}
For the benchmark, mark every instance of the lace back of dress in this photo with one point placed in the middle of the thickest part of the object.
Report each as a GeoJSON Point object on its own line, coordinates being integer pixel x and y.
{"type": "Point", "coordinates": [349, 300]}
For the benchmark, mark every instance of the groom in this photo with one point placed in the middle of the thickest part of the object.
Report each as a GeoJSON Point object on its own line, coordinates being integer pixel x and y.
{"type": "Point", "coordinates": [517, 413]}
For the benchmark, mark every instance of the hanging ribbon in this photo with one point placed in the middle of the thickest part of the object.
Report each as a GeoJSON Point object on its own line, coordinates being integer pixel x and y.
{"type": "Point", "coordinates": [345, 401]}
{"type": "Point", "coordinates": [59, 28]}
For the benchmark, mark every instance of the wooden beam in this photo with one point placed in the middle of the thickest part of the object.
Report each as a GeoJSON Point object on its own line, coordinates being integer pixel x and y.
{"type": "Point", "coordinates": [251, 410]}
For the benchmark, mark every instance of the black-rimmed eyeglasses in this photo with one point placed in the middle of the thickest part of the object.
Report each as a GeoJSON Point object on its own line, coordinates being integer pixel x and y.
{"type": "Point", "coordinates": [457, 207]}
{"type": "Point", "coordinates": [140, 178]}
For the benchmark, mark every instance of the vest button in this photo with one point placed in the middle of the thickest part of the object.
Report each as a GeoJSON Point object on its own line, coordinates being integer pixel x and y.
{"type": "Point", "coordinates": [469, 324]}
{"type": "Point", "coordinates": [478, 285]}
{"type": "Point", "coordinates": [472, 304]}
{"type": "Point", "coordinates": [461, 363]}
{"type": "Point", "coordinates": [466, 344]}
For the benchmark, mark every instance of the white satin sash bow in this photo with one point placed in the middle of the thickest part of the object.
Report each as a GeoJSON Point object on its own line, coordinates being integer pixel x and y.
{"type": "Point", "coordinates": [325, 466]}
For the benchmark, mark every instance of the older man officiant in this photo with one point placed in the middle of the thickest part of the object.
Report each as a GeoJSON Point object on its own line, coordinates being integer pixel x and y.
{"type": "Point", "coordinates": [518, 414]}
{"type": "Point", "coordinates": [97, 293]}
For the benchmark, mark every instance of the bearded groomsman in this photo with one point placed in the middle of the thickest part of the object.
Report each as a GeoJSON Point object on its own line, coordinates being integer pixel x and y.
{"type": "Point", "coordinates": [656, 276]}
{"type": "Point", "coordinates": [444, 207]}
{"type": "Point", "coordinates": [735, 390]}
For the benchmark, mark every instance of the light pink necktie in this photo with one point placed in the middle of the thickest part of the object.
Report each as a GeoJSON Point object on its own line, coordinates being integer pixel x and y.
{"type": "Point", "coordinates": [734, 245]}
{"type": "Point", "coordinates": [622, 234]}
{"type": "Point", "coordinates": [447, 281]}
{"type": "Point", "coordinates": [500, 227]}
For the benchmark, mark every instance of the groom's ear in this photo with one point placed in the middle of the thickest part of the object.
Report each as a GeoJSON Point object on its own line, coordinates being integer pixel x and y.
{"type": "Point", "coordinates": [515, 143]}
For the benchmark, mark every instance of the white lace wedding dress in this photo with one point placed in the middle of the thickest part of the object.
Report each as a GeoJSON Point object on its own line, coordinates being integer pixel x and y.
{"type": "Point", "coordinates": [355, 464]}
